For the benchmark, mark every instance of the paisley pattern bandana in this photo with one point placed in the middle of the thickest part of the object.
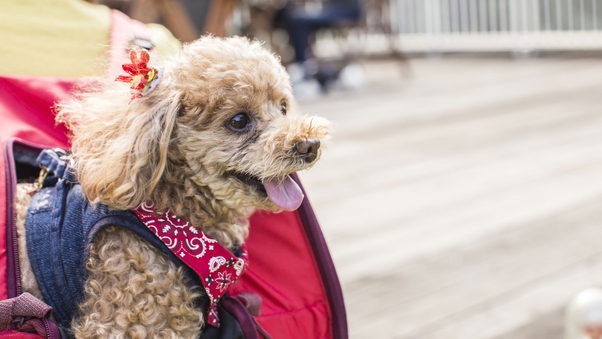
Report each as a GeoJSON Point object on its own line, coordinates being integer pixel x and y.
{"type": "Point", "coordinates": [217, 267]}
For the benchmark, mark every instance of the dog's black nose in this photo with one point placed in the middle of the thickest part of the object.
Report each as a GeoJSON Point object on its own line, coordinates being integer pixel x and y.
{"type": "Point", "coordinates": [308, 149]}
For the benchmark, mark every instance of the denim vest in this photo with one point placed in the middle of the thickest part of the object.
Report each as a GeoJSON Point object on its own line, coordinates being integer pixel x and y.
{"type": "Point", "coordinates": [60, 226]}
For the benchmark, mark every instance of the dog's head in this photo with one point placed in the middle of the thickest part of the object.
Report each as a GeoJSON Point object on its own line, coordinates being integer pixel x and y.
{"type": "Point", "coordinates": [221, 128]}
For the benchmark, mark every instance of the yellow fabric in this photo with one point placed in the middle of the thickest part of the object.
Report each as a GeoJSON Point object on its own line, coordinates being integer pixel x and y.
{"type": "Point", "coordinates": [165, 43]}
{"type": "Point", "coordinates": [65, 38]}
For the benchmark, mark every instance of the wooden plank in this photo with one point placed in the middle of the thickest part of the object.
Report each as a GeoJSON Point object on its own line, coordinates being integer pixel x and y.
{"type": "Point", "coordinates": [454, 286]}
{"type": "Point", "coordinates": [476, 185]}
{"type": "Point", "coordinates": [548, 326]}
{"type": "Point", "coordinates": [448, 143]}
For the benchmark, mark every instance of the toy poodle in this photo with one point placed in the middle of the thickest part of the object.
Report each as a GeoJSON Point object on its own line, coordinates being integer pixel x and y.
{"type": "Point", "coordinates": [209, 135]}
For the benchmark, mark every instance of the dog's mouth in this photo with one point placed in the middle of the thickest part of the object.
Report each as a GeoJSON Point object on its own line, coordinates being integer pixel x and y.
{"type": "Point", "coordinates": [283, 192]}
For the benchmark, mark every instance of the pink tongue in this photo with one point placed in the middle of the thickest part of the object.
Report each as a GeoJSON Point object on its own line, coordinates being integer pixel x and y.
{"type": "Point", "coordinates": [287, 195]}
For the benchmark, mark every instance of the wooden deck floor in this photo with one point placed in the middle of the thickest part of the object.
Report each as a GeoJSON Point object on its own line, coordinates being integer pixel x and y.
{"type": "Point", "coordinates": [464, 201]}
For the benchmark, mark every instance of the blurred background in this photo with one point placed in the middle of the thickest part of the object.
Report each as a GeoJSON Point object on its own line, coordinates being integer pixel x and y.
{"type": "Point", "coordinates": [461, 194]}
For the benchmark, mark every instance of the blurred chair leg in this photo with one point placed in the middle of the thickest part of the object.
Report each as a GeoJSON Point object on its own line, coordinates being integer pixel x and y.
{"type": "Point", "coordinates": [144, 11]}
{"type": "Point", "coordinates": [177, 20]}
{"type": "Point", "coordinates": [382, 8]}
{"type": "Point", "coordinates": [173, 13]}
{"type": "Point", "coordinates": [219, 13]}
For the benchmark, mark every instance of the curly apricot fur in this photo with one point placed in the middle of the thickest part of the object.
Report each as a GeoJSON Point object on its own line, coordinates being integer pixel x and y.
{"type": "Point", "coordinates": [134, 291]}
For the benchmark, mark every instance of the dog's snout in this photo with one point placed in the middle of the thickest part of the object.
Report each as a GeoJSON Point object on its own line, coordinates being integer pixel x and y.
{"type": "Point", "coordinates": [308, 149]}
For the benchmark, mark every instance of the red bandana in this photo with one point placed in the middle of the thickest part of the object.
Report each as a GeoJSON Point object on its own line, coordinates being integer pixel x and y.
{"type": "Point", "coordinates": [217, 267]}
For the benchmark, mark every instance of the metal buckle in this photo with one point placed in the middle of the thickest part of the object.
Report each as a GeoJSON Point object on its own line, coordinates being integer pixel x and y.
{"type": "Point", "coordinates": [42, 177]}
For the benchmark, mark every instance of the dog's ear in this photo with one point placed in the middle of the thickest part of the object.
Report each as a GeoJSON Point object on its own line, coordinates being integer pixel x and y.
{"type": "Point", "coordinates": [120, 147]}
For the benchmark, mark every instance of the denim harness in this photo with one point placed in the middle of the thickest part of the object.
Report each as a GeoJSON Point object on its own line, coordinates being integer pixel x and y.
{"type": "Point", "coordinates": [60, 226]}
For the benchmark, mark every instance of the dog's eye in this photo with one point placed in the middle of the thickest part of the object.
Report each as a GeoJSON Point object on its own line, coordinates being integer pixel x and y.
{"type": "Point", "coordinates": [239, 122]}
{"type": "Point", "coordinates": [283, 107]}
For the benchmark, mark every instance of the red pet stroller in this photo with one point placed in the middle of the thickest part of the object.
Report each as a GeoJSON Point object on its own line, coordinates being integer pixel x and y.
{"type": "Point", "coordinates": [291, 268]}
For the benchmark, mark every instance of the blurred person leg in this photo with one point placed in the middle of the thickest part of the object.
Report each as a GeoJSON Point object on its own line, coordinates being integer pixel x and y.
{"type": "Point", "coordinates": [309, 78]}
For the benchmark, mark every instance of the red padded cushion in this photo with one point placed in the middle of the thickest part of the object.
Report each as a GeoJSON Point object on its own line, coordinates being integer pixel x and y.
{"type": "Point", "coordinates": [283, 271]}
